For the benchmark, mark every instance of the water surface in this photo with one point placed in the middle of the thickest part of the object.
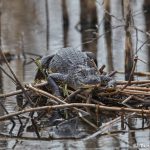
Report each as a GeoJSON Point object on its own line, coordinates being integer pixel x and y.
{"type": "Point", "coordinates": [23, 27]}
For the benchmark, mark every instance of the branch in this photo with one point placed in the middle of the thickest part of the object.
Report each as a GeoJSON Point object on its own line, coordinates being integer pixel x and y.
{"type": "Point", "coordinates": [106, 108]}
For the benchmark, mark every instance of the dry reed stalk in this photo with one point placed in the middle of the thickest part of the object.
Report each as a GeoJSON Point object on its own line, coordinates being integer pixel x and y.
{"type": "Point", "coordinates": [108, 35]}
{"type": "Point", "coordinates": [131, 73]}
{"type": "Point", "coordinates": [144, 85]}
{"type": "Point", "coordinates": [135, 88]}
{"type": "Point", "coordinates": [47, 24]}
{"type": "Point", "coordinates": [134, 82]}
{"type": "Point", "coordinates": [88, 122]}
{"type": "Point", "coordinates": [108, 93]}
{"type": "Point", "coordinates": [135, 92]}
{"type": "Point", "coordinates": [20, 91]}
{"type": "Point", "coordinates": [103, 128]}
{"type": "Point", "coordinates": [16, 79]}
{"type": "Point", "coordinates": [128, 40]}
{"type": "Point", "coordinates": [72, 105]}
{"type": "Point", "coordinates": [29, 86]}
{"type": "Point", "coordinates": [137, 73]}
{"type": "Point", "coordinates": [52, 96]}
{"type": "Point", "coordinates": [88, 22]}
{"type": "Point", "coordinates": [146, 8]}
{"type": "Point", "coordinates": [65, 22]}
{"type": "Point", "coordinates": [127, 99]}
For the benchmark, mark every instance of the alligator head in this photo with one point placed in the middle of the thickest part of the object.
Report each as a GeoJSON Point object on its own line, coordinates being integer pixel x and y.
{"type": "Point", "coordinates": [82, 76]}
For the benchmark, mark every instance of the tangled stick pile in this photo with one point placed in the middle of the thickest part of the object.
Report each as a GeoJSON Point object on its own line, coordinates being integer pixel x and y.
{"type": "Point", "coordinates": [93, 105]}
{"type": "Point", "coordinates": [92, 102]}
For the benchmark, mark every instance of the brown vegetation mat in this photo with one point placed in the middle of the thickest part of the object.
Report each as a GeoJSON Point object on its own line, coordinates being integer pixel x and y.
{"type": "Point", "coordinates": [116, 103]}
{"type": "Point", "coordinates": [98, 107]}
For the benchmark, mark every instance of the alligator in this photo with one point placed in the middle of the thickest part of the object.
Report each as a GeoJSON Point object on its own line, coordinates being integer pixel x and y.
{"type": "Point", "coordinates": [72, 67]}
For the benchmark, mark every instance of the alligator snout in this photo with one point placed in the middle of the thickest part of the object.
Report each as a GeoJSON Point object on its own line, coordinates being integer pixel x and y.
{"type": "Point", "coordinates": [93, 80]}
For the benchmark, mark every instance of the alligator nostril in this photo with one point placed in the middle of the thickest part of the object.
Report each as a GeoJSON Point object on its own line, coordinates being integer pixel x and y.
{"type": "Point", "coordinates": [95, 80]}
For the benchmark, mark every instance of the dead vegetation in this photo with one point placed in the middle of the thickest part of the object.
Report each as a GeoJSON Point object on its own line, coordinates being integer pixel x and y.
{"type": "Point", "coordinates": [93, 106]}
{"type": "Point", "coordinates": [92, 110]}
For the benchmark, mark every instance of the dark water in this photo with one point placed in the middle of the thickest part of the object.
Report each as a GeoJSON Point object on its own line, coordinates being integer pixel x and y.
{"type": "Point", "coordinates": [23, 26]}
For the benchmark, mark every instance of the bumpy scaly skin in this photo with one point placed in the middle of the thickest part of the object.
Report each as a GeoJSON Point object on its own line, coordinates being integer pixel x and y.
{"type": "Point", "coordinates": [72, 67]}
{"type": "Point", "coordinates": [68, 59]}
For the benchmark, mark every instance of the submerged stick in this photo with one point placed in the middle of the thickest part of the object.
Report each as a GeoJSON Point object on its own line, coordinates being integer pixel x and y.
{"type": "Point", "coordinates": [35, 128]}
{"type": "Point", "coordinates": [103, 128]}
{"type": "Point", "coordinates": [88, 122]}
{"type": "Point", "coordinates": [7, 74]}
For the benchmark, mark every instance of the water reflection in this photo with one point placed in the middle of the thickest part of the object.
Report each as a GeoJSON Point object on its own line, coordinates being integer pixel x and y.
{"type": "Point", "coordinates": [108, 35]}
{"type": "Point", "coordinates": [65, 22]}
{"type": "Point", "coordinates": [88, 22]}
{"type": "Point", "coordinates": [24, 27]}
{"type": "Point", "coordinates": [146, 9]}
{"type": "Point", "coordinates": [56, 28]}
{"type": "Point", "coordinates": [3, 143]}
{"type": "Point", "coordinates": [1, 81]}
{"type": "Point", "coordinates": [23, 18]}
{"type": "Point", "coordinates": [74, 36]}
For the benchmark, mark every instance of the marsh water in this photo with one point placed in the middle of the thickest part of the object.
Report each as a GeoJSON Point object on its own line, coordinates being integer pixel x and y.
{"type": "Point", "coordinates": [24, 29]}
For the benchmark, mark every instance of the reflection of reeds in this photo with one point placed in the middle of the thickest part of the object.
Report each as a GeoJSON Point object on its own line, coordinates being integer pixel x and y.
{"type": "Point", "coordinates": [121, 99]}
{"type": "Point", "coordinates": [65, 22]}
{"type": "Point", "coordinates": [1, 82]}
{"type": "Point", "coordinates": [88, 21]}
{"type": "Point", "coordinates": [128, 39]}
{"type": "Point", "coordinates": [146, 8]}
{"type": "Point", "coordinates": [108, 35]}
{"type": "Point", "coordinates": [107, 100]}
{"type": "Point", "coordinates": [47, 24]}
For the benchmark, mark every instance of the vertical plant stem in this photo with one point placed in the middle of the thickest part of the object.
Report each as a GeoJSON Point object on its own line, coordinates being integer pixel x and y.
{"type": "Point", "coordinates": [17, 81]}
{"type": "Point", "coordinates": [88, 21]}
{"type": "Point", "coordinates": [108, 35]}
{"type": "Point", "coordinates": [131, 74]}
{"type": "Point", "coordinates": [65, 21]}
{"type": "Point", "coordinates": [146, 9]}
{"type": "Point", "coordinates": [128, 39]}
{"type": "Point", "coordinates": [47, 24]}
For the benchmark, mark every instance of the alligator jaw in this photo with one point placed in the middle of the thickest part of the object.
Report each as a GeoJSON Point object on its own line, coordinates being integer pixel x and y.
{"type": "Point", "coordinates": [88, 86]}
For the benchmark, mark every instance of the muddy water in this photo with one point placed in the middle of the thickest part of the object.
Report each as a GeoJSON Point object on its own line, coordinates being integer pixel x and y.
{"type": "Point", "coordinates": [23, 27]}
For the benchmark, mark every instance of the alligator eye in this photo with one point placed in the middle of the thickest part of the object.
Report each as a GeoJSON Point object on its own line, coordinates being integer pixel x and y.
{"type": "Point", "coordinates": [83, 74]}
{"type": "Point", "coordinates": [111, 86]}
